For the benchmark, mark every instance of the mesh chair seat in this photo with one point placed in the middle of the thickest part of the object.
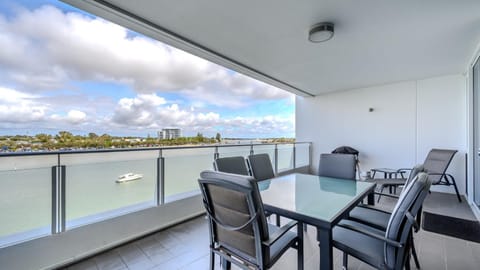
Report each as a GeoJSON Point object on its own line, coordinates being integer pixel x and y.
{"type": "Point", "coordinates": [363, 241]}
{"type": "Point", "coordinates": [359, 245]}
{"type": "Point", "coordinates": [374, 217]}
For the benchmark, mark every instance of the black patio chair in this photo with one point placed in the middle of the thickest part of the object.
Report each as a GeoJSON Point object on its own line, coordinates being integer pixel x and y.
{"type": "Point", "coordinates": [338, 166]}
{"type": "Point", "coordinates": [239, 232]}
{"type": "Point", "coordinates": [260, 166]}
{"type": "Point", "coordinates": [234, 165]}
{"type": "Point", "coordinates": [261, 169]}
{"type": "Point", "coordinates": [378, 218]}
{"type": "Point", "coordinates": [389, 249]}
{"type": "Point", "coordinates": [436, 164]}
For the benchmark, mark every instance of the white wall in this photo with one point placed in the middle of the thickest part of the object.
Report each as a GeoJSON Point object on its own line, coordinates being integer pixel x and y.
{"type": "Point", "coordinates": [408, 119]}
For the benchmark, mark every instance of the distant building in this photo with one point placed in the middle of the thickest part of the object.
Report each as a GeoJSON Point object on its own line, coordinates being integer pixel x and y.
{"type": "Point", "coordinates": [170, 133]}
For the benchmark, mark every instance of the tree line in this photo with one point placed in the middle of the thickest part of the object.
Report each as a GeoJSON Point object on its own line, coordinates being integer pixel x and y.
{"type": "Point", "coordinates": [65, 140]}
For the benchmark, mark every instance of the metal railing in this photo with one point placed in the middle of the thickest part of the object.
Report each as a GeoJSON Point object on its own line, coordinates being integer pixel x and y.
{"type": "Point", "coordinates": [82, 187]}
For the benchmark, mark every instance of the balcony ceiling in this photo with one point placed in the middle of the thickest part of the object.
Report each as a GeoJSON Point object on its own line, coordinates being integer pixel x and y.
{"type": "Point", "coordinates": [375, 42]}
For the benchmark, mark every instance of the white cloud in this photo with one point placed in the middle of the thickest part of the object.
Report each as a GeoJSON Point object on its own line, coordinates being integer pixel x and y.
{"type": "Point", "coordinates": [19, 107]}
{"type": "Point", "coordinates": [134, 112]}
{"type": "Point", "coordinates": [47, 48]}
{"type": "Point", "coordinates": [76, 117]}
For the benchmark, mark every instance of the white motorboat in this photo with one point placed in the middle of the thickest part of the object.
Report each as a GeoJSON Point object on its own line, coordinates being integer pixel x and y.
{"type": "Point", "coordinates": [129, 177]}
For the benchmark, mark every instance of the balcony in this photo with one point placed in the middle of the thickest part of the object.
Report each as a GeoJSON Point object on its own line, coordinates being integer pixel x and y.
{"type": "Point", "coordinates": [55, 197]}
{"type": "Point", "coordinates": [396, 80]}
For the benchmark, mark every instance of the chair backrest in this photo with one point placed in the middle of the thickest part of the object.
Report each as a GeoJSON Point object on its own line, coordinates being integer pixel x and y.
{"type": "Point", "coordinates": [337, 166]}
{"type": "Point", "coordinates": [260, 166]}
{"type": "Point", "coordinates": [236, 215]}
{"type": "Point", "coordinates": [234, 165]}
{"type": "Point", "coordinates": [437, 162]}
{"type": "Point", "coordinates": [415, 170]}
{"type": "Point", "coordinates": [401, 220]}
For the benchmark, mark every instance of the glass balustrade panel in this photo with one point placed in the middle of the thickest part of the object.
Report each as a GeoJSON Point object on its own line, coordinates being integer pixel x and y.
{"type": "Point", "coordinates": [233, 151]}
{"type": "Point", "coordinates": [302, 155]}
{"type": "Point", "coordinates": [182, 170]}
{"type": "Point", "coordinates": [285, 157]}
{"type": "Point", "coordinates": [25, 197]}
{"type": "Point", "coordinates": [104, 185]}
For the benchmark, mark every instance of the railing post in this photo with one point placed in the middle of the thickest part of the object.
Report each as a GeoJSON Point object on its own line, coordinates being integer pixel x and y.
{"type": "Point", "coordinates": [216, 154]}
{"type": "Point", "coordinates": [294, 157]}
{"type": "Point", "coordinates": [54, 199]}
{"type": "Point", "coordinates": [251, 149]}
{"type": "Point", "coordinates": [58, 197]}
{"type": "Point", "coordinates": [160, 192]}
{"type": "Point", "coordinates": [276, 159]}
{"type": "Point", "coordinates": [310, 155]}
{"type": "Point", "coordinates": [63, 179]}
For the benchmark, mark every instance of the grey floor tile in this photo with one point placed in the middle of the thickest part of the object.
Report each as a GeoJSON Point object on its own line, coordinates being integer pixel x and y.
{"type": "Point", "coordinates": [134, 258]}
{"type": "Point", "coordinates": [110, 260]}
{"type": "Point", "coordinates": [84, 265]}
{"type": "Point", "coordinates": [185, 246]}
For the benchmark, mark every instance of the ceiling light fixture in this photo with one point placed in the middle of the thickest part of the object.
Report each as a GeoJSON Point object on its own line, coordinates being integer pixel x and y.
{"type": "Point", "coordinates": [321, 32]}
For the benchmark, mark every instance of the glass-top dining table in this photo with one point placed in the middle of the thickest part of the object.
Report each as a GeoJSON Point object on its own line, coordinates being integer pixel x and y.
{"type": "Point", "coordinates": [315, 200]}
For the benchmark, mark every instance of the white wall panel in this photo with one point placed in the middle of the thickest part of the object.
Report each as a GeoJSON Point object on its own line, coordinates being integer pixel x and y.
{"type": "Point", "coordinates": [442, 121]}
{"type": "Point", "coordinates": [407, 120]}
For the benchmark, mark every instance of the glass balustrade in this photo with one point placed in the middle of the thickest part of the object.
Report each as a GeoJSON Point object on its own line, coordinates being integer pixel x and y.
{"type": "Point", "coordinates": [285, 157]}
{"type": "Point", "coordinates": [233, 151]}
{"type": "Point", "coordinates": [182, 169]}
{"type": "Point", "coordinates": [52, 192]}
{"type": "Point", "coordinates": [103, 185]}
{"type": "Point", "coordinates": [25, 197]}
{"type": "Point", "coordinates": [302, 155]}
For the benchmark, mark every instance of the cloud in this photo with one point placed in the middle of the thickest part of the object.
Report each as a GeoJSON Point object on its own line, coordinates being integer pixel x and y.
{"type": "Point", "coordinates": [73, 117]}
{"type": "Point", "coordinates": [141, 111]}
{"type": "Point", "coordinates": [47, 53]}
{"type": "Point", "coordinates": [18, 107]}
{"type": "Point", "coordinates": [46, 49]}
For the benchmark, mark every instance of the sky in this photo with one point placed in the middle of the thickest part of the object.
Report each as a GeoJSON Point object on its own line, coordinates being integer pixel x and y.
{"type": "Point", "coordinates": [64, 69]}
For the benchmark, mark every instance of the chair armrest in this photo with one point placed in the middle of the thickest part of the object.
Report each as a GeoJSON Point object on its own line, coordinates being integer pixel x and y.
{"type": "Point", "coordinates": [440, 174]}
{"type": "Point", "coordinates": [373, 208]}
{"type": "Point", "coordinates": [278, 234]}
{"type": "Point", "coordinates": [387, 195]}
{"type": "Point", "coordinates": [371, 234]}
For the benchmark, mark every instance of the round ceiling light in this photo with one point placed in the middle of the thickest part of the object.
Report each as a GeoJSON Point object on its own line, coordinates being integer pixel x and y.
{"type": "Point", "coordinates": [321, 32]}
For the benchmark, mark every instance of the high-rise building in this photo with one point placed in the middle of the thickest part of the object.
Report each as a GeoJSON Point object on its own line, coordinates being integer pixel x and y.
{"type": "Point", "coordinates": [170, 133]}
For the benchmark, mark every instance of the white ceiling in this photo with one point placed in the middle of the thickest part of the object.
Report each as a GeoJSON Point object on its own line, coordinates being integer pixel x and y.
{"type": "Point", "coordinates": [375, 42]}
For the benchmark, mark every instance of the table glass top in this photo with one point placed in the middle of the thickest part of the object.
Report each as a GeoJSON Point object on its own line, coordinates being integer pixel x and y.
{"type": "Point", "coordinates": [318, 197]}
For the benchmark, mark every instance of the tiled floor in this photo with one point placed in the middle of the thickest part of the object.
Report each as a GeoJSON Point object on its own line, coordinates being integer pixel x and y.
{"type": "Point", "coordinates": [185, 246]}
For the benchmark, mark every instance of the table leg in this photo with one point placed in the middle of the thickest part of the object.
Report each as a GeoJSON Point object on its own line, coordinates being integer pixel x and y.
{"type": "Point", "coordinates": [371, 198]}
{"type": "Point", "coordinates": [324, 237]}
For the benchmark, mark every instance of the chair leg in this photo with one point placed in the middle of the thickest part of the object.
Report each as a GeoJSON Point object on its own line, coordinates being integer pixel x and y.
{"type": "Point", "coordinates": [456, 189]}
{"type": "Point", "coordinates": [345, 261]}
{"type": "Point", "coordinates": [277, 220]}
{"type": "Point", "coordinates": [414, 255]}
{"type": "Point", "coordinates": [226, 264]}
{"type": "Point", "coordinates": [407, 263]}
{"type": "Point", "coordinates": [381, 190]}
{"type": "Point", "coordinates": [300, 254]}
{"type": "Point", "coordinates": [212, 260]}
